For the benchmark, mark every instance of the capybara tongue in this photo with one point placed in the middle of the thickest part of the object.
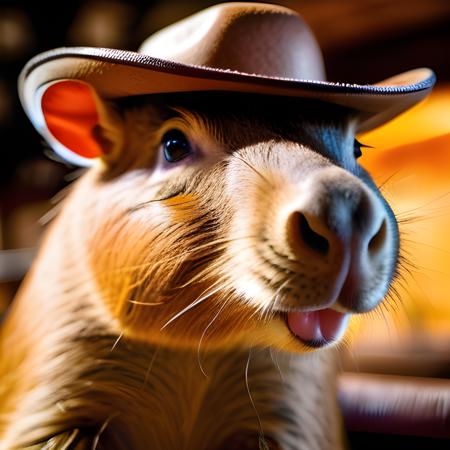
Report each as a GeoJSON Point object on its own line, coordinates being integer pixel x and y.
{"type": "Point", "coordinates": [318, 327]}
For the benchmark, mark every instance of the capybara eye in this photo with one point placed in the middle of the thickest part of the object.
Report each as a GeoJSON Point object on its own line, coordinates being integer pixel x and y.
{"type": "Point", "coordinates": [175, 145]}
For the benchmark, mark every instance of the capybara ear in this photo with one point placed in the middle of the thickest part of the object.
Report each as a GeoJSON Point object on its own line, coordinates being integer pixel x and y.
{"type": "Point", "coordinates": [81, 127]}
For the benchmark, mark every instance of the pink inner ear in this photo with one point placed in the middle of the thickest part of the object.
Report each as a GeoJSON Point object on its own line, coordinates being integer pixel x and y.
{"type": "Point", "coordinates": [71, 116]}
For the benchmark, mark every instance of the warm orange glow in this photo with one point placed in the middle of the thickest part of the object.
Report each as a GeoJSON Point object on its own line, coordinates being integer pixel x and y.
{"type": "Point", "coordinates": [412, 159]}
{"type": "Point", "coordinates": [426, 120]}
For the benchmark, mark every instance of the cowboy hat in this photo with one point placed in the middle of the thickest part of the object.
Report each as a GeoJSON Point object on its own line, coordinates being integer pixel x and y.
{"type": "Point", "coordinates": [241, 47]}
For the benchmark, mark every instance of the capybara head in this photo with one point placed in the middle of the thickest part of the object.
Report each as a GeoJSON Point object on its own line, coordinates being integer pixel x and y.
{"type": "Point", "coordinates": [222, 219]}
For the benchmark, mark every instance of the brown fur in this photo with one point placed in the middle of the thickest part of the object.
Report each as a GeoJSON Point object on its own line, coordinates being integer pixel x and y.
{"type": "Point", "coordinates": [132, 330]}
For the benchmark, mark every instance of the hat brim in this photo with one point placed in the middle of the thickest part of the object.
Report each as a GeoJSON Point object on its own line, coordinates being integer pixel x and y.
{"type": "Point", "coordinates": [120, 73]}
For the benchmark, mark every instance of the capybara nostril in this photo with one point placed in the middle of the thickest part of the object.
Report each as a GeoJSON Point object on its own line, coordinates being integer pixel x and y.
{"type": "Point", "coordinates": [378, 240]}
{"type": "Point", "coordinates": [305, 234]}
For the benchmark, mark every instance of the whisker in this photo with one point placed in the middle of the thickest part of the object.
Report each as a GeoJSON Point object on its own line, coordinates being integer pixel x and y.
{"type": "Point", "coordinates": [276, 364]}
{"type": "Point", "coordinates": [425, 244]}
{"type": "Point", "coordinates": [135, 302]}
{"type": "Point", "coordinates": [188, 255]}
{"type": "Point", "coordinates": [190, 306]}
{"type": "Point", "coordinates": [384, 310]}
{"type": "Point", "coordinates": [437, 213]}
{"type": "Point", "coordinates": [209, 269]}
{"type": "Point", "coordinates": [262, 443]}
{"type": "Point", "coordinates": [423, 206]}
{"type": "Point", "coordinates": [203, 335]}
{"type": "Point", "coordinates": [139, 206]}
{"type": "Point", "coordinates": [116, 341]}
{"type": "Point", "coordinates": [252, 168]}
{"type": "Point", "coordinates": [96, 439]}
{"type": "Point", "coordinates": [346, 343]}
{"type": "Point", "coordinates": [224, 241]}
{"type": "Point", "coordinates": [383, 184]}
{"type": "Point", "coordinates": [150, 366]}
{"type": "Point", "coordinates": [277, 293]}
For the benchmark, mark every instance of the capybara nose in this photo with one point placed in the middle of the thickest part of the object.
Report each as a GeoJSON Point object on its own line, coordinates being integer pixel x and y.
{"type": "Point", "coordinates": [340, 222]}
{"type": "Point", "coordinates": [340, 228]}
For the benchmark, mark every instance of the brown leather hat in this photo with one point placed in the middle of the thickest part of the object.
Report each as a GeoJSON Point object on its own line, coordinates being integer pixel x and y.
{"type": "Point", "coordinates": [243, 47]}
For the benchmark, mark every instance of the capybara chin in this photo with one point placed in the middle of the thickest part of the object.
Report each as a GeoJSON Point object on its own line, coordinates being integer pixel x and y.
{"type": "Point", "coordinates": [193, 289]}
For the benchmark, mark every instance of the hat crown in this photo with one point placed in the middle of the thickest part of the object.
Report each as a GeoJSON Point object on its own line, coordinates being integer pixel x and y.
{"type": "Point", "coordinates": [251, 38]}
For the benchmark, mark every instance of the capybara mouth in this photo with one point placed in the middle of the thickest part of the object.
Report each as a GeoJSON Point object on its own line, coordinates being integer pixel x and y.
{"type": "Point", "coordinates": [317, 328]}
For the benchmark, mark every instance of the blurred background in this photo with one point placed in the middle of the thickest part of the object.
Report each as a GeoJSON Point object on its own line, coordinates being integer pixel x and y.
{"type": "Point", "coordinates": [405, 343]}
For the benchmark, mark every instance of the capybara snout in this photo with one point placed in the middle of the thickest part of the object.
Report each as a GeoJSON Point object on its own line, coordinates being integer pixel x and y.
{"type": "Point", "coordinates": [342, 228]}
{"type": "Point", "coordinates": [246, 220]}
